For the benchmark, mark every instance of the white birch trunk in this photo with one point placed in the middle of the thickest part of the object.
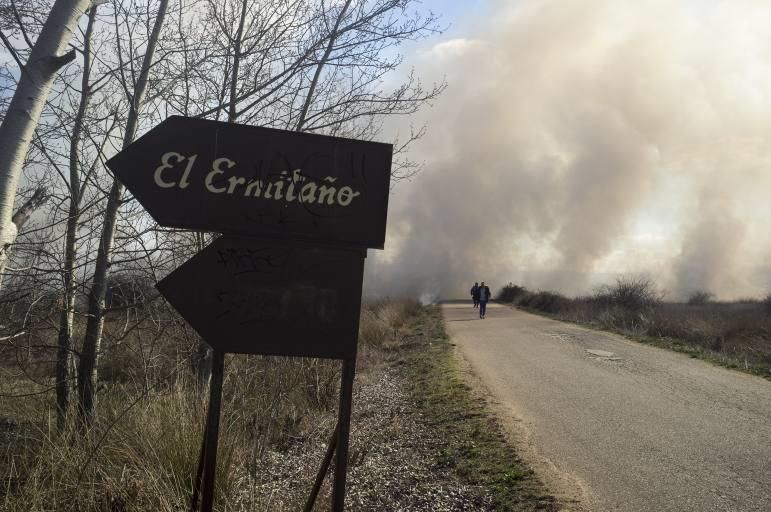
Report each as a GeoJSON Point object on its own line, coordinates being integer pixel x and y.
{"type": "Point", "coordinates": [21, 120]}
{"type": "Point", "coordinates": [66, 319]}
{"type": "Point", "coordinates": [88, 364]}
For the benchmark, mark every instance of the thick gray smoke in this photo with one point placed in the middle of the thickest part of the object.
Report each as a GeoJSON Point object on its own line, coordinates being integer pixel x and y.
{"type": "Point", "coordinates": [582, 140]}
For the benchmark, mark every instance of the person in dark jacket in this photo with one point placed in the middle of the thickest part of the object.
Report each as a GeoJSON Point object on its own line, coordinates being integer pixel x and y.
{"type": "Point", "coordinates": [475, 294]}
{"type": "Point", "coordinates": [484, 297]}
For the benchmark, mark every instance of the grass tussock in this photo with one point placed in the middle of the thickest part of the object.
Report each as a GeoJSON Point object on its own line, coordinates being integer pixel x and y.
{"type": "Point", "coordinates": [735, 335]}
{"type": "Point", "coordinates": [141, 451]}
{"type": "Point", "coordinates": [133, 458]}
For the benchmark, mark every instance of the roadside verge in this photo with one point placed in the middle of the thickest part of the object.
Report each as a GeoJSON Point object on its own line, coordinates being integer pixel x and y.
{"type": "Point", "coordinates": [475, 448]}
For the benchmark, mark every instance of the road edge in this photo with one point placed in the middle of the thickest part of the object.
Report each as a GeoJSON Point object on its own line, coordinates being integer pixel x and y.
{"type": "Point", "coordinates": [477, 447]}
{"type": "Point", "coordinates": [675, 345]}
{"type": "Point", "coordinates": [572, 494]}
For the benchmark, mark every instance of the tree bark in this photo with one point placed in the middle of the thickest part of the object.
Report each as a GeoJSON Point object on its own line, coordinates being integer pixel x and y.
{"type": "Point", "coordinates": [66, 318]}
{"type": "Point", "coordinates": [314, 83]}
{"type": "Point", "coordinates": [236, 63]}
{"type": "Point", "coordinates": [22, 215]}
{"type": "Point", "coordinates": [21, 119]}
{"type": "Point", "coordinates": [88, 365]}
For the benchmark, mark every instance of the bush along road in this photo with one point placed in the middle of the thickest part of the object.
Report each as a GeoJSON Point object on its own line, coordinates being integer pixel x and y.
{"type": "Point", "coordinates": [735, 335]}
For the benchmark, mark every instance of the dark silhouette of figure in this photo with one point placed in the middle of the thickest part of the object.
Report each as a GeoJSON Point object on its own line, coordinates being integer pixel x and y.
{"type": "Point", "coordinates": [484, 297]}
{"type": "Point", "coordinates": [475, 294]}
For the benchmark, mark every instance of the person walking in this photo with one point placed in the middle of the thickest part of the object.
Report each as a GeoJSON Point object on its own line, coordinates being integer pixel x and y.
{"type": "Point", "coordinates": [475, 294]}
{"type": "Point", "coordinates": [484, 297]}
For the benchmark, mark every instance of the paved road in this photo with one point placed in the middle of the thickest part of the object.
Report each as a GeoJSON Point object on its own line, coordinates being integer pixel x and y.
{"type": "Point", "coordinates": [642, 428]}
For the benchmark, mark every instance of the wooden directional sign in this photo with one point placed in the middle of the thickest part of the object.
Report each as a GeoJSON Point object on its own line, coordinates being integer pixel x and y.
{"type": "Point", "coordinates": [246, 180]}
{"type": "Point", "coordinates": [271, 297]}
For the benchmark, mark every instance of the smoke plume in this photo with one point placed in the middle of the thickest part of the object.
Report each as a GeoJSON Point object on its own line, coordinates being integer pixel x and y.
{"type": "Point", "coordinates": [582, 140]}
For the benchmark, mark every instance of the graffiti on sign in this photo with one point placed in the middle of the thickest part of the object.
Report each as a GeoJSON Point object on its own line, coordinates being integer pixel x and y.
{"type": "Point", "coordinates": [271, 297]}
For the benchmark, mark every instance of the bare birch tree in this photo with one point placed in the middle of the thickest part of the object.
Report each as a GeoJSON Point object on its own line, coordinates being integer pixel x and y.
{"type": "Point", "coordinates": [69, 145]}
{"type": "Point", "coordinates": [36, 77]}
{"type": "Point", "coordinates": [76, 191]}
{"type": "Point", "coordinates": [135, 88]}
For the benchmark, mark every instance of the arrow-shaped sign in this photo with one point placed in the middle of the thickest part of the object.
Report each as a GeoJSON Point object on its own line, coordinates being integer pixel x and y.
{"type": "Point", "coordinates": [271, 297]}
{"type": "Point", "coordinates": [246, 180]}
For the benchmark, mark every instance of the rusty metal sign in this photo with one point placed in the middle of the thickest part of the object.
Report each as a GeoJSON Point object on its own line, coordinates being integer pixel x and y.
{"type": "Point", "coordinates": [246, 180]}
{"type": "Point", "coordinates": [271, 297]}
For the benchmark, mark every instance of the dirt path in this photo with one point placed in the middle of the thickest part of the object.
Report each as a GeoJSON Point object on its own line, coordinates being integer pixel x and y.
{"type": "Point", "coordinates": [632, 427]}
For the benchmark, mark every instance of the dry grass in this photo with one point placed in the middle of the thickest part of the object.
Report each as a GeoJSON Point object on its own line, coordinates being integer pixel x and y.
{"type": "Point", "coordinates": [133, 458]}
{"type": "Point", "coordinates": [141, 451]}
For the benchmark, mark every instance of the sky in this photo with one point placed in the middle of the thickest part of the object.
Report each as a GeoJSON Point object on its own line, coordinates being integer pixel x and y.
{"type": "Point", "coordinates": [583, 140]}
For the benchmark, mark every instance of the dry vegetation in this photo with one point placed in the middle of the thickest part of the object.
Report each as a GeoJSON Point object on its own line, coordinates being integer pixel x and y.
{"type": "Point", "coordinates": [734, 334]}
{"type": "Point", "coordinates": [142, 447]}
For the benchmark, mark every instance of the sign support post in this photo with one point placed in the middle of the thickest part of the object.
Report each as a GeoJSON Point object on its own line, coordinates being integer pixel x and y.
{"type": "Point", "coordinates": [322, 472]}
{"type": "Point", "coordinates": [196, 495]}
{"type": "Point", "coordinates": [212, 431]}
{"type": "Point", "coordinates": [344, 430]}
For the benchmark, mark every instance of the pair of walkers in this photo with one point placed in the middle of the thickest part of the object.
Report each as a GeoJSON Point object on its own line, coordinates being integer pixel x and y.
{"type": "Point", "coordinates": [480, 294]}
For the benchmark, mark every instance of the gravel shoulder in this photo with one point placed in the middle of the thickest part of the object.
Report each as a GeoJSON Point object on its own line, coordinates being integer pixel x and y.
{"type": "Point", "coordinates": [421, 440]}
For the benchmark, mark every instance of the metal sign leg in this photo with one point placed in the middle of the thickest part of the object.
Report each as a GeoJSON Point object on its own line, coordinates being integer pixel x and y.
{"type": "Point", "coordinates": [344, 429]}
{"type": "Point", "coordinates": [212, 431]}
{"type": "Point", "coordinates": [322, 471]}
{"type": "Point", "coordinates": [199, 472]}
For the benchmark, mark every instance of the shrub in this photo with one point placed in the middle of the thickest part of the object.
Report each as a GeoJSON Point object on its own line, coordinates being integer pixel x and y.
{"type": "Point", "coordinates": [766, 303]}
{"type": "Point", "coordinates": [373, 331]}
{"type": "Point", "coordinates": [548, 302]}
{"type": "Point", "coordinates": [511, 292]}
{"type": "Point", "coordinates": [127, 290]}
{"type": "Point", "coordinates": [395, 312]}
{"type": "Point", "coordinates": [635, 294]}
{"type": "Point", "coordinates": [380, 319]}
{"type": "Point", "coordinates": [700, 297]}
